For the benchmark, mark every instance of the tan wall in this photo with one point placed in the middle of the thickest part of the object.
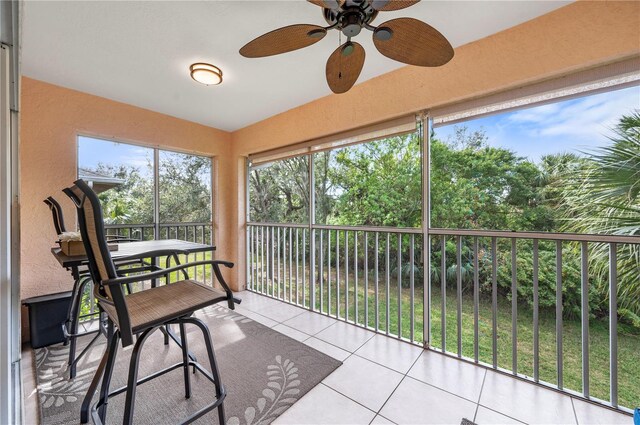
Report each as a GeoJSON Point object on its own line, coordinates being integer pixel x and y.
{"type": "Point", "coordinates": [51, 118]}
{"type": "Point", "coordinates": [578, 36]}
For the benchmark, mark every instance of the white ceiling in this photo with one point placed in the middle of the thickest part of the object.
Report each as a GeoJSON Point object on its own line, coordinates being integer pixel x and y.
{"type": "Point", "coordinates": [139, 52]}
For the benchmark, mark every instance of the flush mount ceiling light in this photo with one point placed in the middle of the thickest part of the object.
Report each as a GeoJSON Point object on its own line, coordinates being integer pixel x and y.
{"type": "Point", "coordinates": [206, 74]}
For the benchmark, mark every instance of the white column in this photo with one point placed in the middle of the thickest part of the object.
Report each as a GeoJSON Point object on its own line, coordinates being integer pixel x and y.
{"type": "Point", "coordinates": [10, 381]}
{"type": "Point", "coordinates": [426, 223]}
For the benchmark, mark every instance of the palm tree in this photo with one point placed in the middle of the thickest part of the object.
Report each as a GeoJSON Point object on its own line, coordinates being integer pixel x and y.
{"type": "Point", "coordinates": [603, 196]}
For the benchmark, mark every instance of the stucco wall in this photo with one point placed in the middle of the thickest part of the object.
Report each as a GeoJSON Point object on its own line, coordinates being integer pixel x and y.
{"type": "Point", "coordinates": [51, 117]}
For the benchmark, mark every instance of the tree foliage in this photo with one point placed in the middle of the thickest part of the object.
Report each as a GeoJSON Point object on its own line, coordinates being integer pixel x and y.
{"type": "Point", "coordinates": [185, 188]}
{"type": "Point", "coordinates": [376, 184]}
{"type": "Point", "coordinates": [279, 191]}
{"type": "Point", "coordinates": [602, 195]}
{"type": "Point", "coordinates": [478, 186]}
{"type": "Point", "coordinates": [185, 191]}
{"type": "Point", "coordinates": [130, 202]}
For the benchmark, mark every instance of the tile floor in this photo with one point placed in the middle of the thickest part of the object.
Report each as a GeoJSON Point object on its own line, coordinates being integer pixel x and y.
{"type": "Point", "coordinates": [386, 381]}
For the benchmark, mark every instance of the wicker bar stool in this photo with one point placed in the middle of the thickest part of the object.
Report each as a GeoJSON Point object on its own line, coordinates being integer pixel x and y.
{"type": "Point", "coordinates": [142, 313]}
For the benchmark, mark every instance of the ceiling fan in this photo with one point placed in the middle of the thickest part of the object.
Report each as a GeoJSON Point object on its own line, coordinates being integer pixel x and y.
{"type": "Point", "coordinates": [406, 40]}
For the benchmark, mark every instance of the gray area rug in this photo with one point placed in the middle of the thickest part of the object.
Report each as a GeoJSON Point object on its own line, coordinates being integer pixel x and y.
{"type": "Point", "coordinates": [263, 371]}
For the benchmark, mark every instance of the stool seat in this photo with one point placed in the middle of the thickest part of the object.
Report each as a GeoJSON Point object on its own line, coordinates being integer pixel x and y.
{"type": "Point", "coordinates": [155, 306]}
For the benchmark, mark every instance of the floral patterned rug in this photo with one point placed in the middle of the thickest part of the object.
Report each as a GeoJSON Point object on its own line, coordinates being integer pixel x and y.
{"type": "Point", "coordinates": [263, 371]}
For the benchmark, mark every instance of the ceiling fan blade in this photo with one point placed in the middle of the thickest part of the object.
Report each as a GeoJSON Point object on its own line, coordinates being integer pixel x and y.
{"type": "Point", "coordinates": [283, 40]}
{"type": "Point", "coordinates": [413, 42]}
{"type": "Point", "coordinates": [344, 66]}
{"type": "Point", "coordinates": [388, 5]}
{"type": "Point", "coordinates": [328, 4]}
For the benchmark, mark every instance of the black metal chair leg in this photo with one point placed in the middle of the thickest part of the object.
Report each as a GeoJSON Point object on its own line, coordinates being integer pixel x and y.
{"type": "Point", "coordinates": [221, 416]}
{"type": "Point", "coordinates": [74, 298]}
{"type": "Point", "coordinates": [165, 332]}
{"type": "Point", "coordinates": [84, 351]}
{"type": "Point", "coordinates": [74, 320]}
{"type": "Point", "coordinates": [72, 354]}
{"type": "Point", "coordinates": [106, 379]}
{"type": "Point", "coordinates": [110, 326]}
{"type": "Point", "coordinates": [133, 377]}
{"type": "Point", "coordinates": [185, 360]}
{"type": "Point", "coordinates": [212, 361]}
{"type": "Point", "coordinates": [93, 386]}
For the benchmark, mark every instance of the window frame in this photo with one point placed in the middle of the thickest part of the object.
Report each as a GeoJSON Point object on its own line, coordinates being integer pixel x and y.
{"type": "Point", "coordinates": [156, 149]}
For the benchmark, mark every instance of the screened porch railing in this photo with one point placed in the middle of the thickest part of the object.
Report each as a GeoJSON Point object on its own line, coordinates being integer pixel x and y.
{"type": "Point", "coordinates": [373, 277]}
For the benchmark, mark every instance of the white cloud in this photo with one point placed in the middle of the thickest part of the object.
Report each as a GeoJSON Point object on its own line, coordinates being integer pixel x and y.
{"type": "Point", "coordinates": [536, 114]}
{"type": "Point", "coordinates": [584, 119]}
{"type": "Point", "coordinates": [577, 125]}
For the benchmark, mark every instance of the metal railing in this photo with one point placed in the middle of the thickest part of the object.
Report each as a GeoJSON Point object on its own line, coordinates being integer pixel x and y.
{"type": "Point", "coordinates": [192, 232]}
{"type": "Point", "coordinates": [500, 299]}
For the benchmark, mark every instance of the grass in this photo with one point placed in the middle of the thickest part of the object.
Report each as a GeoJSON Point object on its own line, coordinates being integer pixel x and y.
{"type": "Point", "coordinates": [400, 324]}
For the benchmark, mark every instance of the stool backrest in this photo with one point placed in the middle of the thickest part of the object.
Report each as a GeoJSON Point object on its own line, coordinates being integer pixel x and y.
{"type": "Point", "coordinates": [56, 212]}
{"type": "Point", "coordinates": [101, 265]}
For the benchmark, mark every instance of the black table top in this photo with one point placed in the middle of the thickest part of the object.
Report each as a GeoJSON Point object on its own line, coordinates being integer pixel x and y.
{"type": "Point", "coordinates": [133, 248]}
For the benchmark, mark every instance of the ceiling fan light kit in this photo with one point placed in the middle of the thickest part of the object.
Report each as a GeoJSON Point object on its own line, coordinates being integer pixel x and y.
{"type": "Point", "coordinates": [406, 40]}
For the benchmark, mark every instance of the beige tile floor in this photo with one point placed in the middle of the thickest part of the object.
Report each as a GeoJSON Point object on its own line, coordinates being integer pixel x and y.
{"type": "Point", "coordinates": [386, 381]}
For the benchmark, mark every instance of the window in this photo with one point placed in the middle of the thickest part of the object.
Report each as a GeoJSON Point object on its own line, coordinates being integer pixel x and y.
{"type": "Point", "coordinates": [534, 169]}
{"type": "Point", "coordinates": [361, 177]}
{"type": "Point", "coordinates": [123, 175]}
{"type": "Point", "coordinates": [279, 191]}
{"type": "Point", "coordinates": [185, 188]}
{"type": "Point", "coordinates": [378, 183]}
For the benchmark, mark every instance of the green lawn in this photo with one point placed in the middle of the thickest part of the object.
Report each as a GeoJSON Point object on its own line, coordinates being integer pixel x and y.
{"type": "Point", "coordinates": [628, 337]}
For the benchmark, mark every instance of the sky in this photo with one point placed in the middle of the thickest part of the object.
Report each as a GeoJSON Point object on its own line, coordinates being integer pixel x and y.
{"type": "Point", "coordinates": [92, 151]}
{"type": "Point", "coordinates": [578, 125]}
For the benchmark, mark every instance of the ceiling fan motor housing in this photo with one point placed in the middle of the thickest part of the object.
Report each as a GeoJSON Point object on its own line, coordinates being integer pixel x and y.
{"type": "Point", "coordinates": [351, 22]}
{"type": "Point", "coordinates": [351, 17]}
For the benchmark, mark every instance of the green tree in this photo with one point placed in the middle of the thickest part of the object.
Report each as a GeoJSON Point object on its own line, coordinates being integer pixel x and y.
{"type": "Point", "coordinates": [130, 202]}
{"type": "Point", "coordinates": [185, 188]}
{"type": "Point", "coordinates": [603, 196]}
{"type": "Point", "coordinates": [185, 191]}
{"type": "Point", "coordinates": [279, 191]}
{"type": "Point", "coordinates": [476, 186]}
{"type": "Point", "coordinates": [377, 184]}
